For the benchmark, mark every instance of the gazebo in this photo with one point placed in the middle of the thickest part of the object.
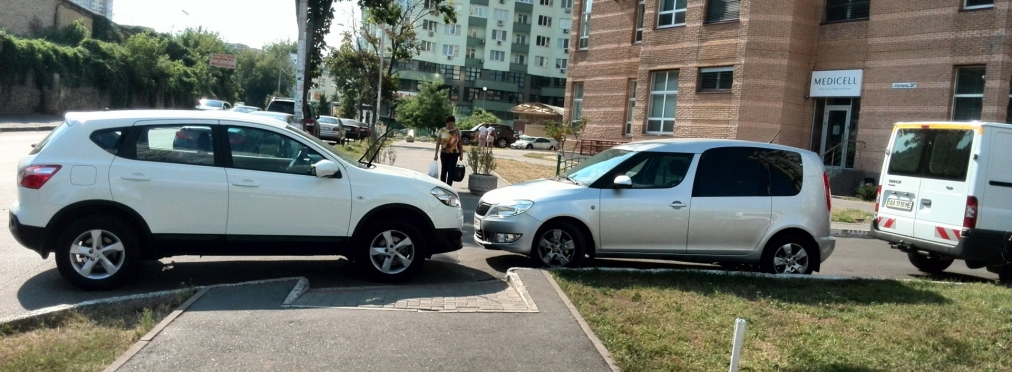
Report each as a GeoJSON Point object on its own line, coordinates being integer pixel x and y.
{"type": "Point", "coordinates": [531, 117]}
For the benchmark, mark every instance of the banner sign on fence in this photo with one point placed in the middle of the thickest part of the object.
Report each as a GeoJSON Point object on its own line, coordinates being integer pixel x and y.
{"type": "Point", "coordinates": [222, 60]}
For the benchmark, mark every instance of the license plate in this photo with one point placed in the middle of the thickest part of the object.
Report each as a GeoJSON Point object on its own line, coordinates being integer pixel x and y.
{"type": "Point", "coordinates": [477, 224]}
{"type": "Point", "coordinates": [905, 205]}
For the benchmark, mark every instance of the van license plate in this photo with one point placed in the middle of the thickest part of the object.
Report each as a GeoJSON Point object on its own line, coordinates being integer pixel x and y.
{"type": "Point", "coordinates": [905, 205]}
{"type": "Point", "coordinates": [477, 224]}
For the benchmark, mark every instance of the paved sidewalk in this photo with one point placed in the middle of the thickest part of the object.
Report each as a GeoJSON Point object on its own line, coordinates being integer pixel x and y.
{"type": "Point", "coordinates": [245, 328]}
{"type": "Point", "coordinates": [28, 122]}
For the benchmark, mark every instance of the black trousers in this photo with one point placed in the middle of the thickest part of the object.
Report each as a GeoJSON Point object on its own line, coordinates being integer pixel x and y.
{"type": "Point", "coordinates": [448, 161]}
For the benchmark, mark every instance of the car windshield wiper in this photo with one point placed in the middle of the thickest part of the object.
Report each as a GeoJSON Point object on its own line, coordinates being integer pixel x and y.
{"type": "Point", "coordinates": [567, 178]}
{"type": "Point", "coordinates": [374, 149]}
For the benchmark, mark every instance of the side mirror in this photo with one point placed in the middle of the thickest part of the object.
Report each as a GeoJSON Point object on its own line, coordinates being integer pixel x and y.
{"type": "Point", "coordinates": [326, 169]}
{"type": "Point", "coordinates": [622, 182]}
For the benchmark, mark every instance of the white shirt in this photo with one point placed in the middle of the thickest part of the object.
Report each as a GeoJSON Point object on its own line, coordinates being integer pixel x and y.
{"type": "Point", "coordinates": [482, 131]}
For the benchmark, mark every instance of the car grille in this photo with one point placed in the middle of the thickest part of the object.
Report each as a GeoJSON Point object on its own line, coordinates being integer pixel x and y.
{"type": "Point", "coordinates": [482, 209]}
{"type": "Point", "coordinates": [480, 234]}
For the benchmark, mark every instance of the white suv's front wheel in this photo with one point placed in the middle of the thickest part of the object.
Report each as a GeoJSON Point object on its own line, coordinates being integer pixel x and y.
{"type": "Point", "coordinates": [393, 251]}
{"type": "Point", "coordinates": [96, 252]}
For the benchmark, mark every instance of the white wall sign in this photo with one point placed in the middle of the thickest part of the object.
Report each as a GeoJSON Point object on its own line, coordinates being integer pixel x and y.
{"type": "Point", "coordinates": [837, 83]}
{"type": "Point", "coordinates": [904, 85]}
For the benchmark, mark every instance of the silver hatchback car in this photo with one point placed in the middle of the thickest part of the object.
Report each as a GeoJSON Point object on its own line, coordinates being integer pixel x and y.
{"type": "Point", "coordinates": [695, 200]}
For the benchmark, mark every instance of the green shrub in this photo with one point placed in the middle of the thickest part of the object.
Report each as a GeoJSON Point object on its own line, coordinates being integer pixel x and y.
{"type": "Point", "coordinates": [867, 192]}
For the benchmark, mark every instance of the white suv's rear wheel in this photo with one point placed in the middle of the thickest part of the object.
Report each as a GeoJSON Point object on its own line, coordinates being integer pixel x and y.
{"type": "Point", "coordinates": [96, 252]}
{"type": "Point", "coordinates": [393, 251]}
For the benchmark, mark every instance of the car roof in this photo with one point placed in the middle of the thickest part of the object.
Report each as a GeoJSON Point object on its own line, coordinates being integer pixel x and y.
{"type": "Point", "coordinates": [129, 117]}
{"type": "Point", "coordinates": [698, 145]}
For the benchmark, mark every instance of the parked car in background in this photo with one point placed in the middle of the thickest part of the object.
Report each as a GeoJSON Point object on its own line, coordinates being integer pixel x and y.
{"type": "Point", "coordinates": [212, 104]}
{"type": "Point", "coordinates": [108, 190]}
{"type": "Point", "coordinates": [504, 135]}
{"type": "Point", "coordinates": [696, 200]}
{"type": "Point", "coordinates": [469, 136]}
{"type": "Point", "coordinates": [356, 130]}
{"type": "Point", "coordinates": [286, 118]}
{"type": "Point", "coordinates": [331, 129]}
{"type": "Point", "coordinates": [244, 108]}
{"type": "Point", "coordinates": [535, 143]}
{"type": "Point", "coordinates": [287, 105]}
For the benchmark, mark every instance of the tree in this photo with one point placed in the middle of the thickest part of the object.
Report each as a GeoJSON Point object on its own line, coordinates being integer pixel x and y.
{"type": "Point", "coordinates": [428, 109]}
{"type": "Point", "coordinates": [347, 108]}
{"type": "Point", "coordinates": [354, 71]}
{"type": "Point", "coordinates": [479, 116]}
{"type": "Point", "coordinates": [561, 131]}
{"type": "Point", "coordinates": [263, 73]}
{"type": "Point", "coordinates": [324, 105]}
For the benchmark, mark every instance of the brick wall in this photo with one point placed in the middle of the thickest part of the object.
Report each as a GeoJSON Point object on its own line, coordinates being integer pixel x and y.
{"type": "Point", "coordinates": [19, 16]}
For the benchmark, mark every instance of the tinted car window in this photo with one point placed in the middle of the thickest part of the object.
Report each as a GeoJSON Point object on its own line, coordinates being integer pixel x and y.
{"type": "Point", "coordinates": [931, 153]}
{"type": "Point", "coordinates": [731, 172]}
{"type": "Point", "coordinates": [262, 150]}
{"type": "Point", "coordinates": [655, 170]}
{"type": "Point", "coordinates": [108, 139]}
{"type": "Point", "coordinates": [786, 171]}
{"type": "Point", "coordinates": [182, 144]}
{"type": "Point", "coordinates": [282, 106]}
{"type": "Point", "coordinates": [908, 148]}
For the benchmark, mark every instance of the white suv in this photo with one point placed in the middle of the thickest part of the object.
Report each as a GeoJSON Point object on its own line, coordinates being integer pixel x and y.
{"type": "Point", "coordinates": [108, 189]}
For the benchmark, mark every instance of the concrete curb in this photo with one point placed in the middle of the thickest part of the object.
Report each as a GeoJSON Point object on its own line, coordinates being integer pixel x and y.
{"type": "Point", "coordinates": [300, 288]}
{"type": "Point", "coordinates": [140, 344]}
{"type": "Point", "coordinates": [845, 233]}
{"type": "Point", "coordinates": [583, 323]}
{"type": "Point", "coordinates": [513, 279]}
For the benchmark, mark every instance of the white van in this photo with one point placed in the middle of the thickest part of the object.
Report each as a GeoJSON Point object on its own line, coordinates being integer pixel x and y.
{"type": "Point", "coordinates": [945, 193]}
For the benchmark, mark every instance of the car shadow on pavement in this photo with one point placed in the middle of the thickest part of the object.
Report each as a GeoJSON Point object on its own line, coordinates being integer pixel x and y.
{"type": "Point", "coordinates": [507, 261]}
{"type": "Point", "coordinates": [952, 277]}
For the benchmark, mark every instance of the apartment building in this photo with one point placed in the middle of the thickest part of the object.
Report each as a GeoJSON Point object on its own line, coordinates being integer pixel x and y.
{"type": "Point", "coordinates": [831, 76]}
{"type": "Point", "coordinates": [500, 53]}
{"type": "Point", "coordinates": [102, 7]}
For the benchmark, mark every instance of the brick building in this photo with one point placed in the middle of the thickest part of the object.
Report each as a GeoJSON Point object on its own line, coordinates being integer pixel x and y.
{"type": "Point", "coordinates": [831, 76]}
{"type": "Point", "coordinates": [25, 17]}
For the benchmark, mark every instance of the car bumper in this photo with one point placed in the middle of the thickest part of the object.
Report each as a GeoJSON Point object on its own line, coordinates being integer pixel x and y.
{"type": "Point", "coordinates": [447, 240]}
{"type": "Point", "coordinates": [827, 245]}
{"type": "Point", "coordinates": [29, 236]}
{"type": "Point", "coordinates": [524, 225]}
{"type": "Point", "coordinates": [987, 246]}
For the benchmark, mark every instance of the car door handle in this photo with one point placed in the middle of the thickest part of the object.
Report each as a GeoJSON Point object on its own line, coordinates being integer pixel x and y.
{"type": "Point", "coordinates": [926, 202]}
{"type": "Point", "coordinates": [245, 183]}
{"type": "Point", "coordinates": [136, 177]}
{"type": "Point", "coordinates": [677, 204]}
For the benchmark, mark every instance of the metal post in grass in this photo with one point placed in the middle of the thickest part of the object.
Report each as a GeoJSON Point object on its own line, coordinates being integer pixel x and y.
{"type": "Point", "coordinates": [739, 338]}
{"type": "Point", "coordinates": [558, 163]}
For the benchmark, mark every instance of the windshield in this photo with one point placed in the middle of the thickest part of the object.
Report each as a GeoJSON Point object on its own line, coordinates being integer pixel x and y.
{"type": "Point", "coordinates": [213, 103]}
{"type": "Point", "coordinates": [325, 145]}
{"type": "Point", "coordinates": [596, 166]}
{"type": "Point", "coordinates": [526, 138]}
{"type": "Point", "coordinates": [328, 120]}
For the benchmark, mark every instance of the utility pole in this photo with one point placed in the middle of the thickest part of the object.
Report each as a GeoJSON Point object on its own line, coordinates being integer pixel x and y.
{"type": "Point", "coordinates": [379, 85]}
{"type": "Point", "coordinates": [302, 7]}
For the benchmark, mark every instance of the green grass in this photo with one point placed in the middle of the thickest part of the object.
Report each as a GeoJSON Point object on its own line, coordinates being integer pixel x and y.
{"type": "Point", "coordinates": [684, 321]}
{"type": "Point", "coordinates": [543, 156]}
{"type": "Point", "coordinates": [87, 339]}
{"type": "Point", "coordinates": [850, 215]}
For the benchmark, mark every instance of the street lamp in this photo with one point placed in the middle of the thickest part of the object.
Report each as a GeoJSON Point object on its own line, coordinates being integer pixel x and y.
{"type": "Point", "coordinates": [484, 96]}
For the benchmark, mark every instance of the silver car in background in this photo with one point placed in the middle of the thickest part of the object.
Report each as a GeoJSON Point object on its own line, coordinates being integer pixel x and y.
{"type": "Point", "coordinates": [331, 128]}
{"type": "Point", "coordinates": [695, 200]}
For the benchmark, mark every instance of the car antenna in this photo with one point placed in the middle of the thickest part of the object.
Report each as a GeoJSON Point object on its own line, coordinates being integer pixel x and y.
{"type": "Point", "coordinates": [774, 136]}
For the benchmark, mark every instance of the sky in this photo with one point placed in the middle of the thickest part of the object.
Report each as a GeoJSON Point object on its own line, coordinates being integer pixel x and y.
{"type": "Point", "coordinates": [250, 22]}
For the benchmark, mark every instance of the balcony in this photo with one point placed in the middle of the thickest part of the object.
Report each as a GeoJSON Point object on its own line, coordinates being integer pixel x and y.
{"type": "Point", "coordinates": [477, 22]}
{"type": "Point", "coordinates": [520, 48]}
{"type": "Point", "coordinates": [496, 85]}
{"type": "Point", "coordinates": [523, 28]}
{"type": "Point", "coordinates": [473, 62]}
{"type": "Point", "coordinates": [518, 67]}
{"type": "Point", "coordinates": [523, 8]}
{"type": "Point", "coordinates": [475, 42]}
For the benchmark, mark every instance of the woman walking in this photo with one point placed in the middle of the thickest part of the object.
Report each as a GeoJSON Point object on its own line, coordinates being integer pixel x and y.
{"type": "Point", "coordinates": [448, 150]}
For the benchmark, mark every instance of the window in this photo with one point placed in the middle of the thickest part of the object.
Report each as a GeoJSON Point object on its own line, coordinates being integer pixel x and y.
{"type": "Point", "coordinates": [451, 30]}
{"type": "Point", "coordinates": [640, 11]}
{"type": "Point", "coordinates": [480, 11]}
{"type": "Point", "coordinates": [267, 151]}
{"type": "Point", "coordinates": [577, 102]}
{"type": "Point", "coordinates": [408, 85]}
{"type": "Point", "coordinates": [108, 139]}
{"type": "Point", "coordinates": [472, 73]}
{"type": "Point", "coordinates": [498, 76]}
{"type": "Point", "coordinates": [521, 39]}
{"type": "Point", "coordinates": [544, 21]}
{"type": "Point", "coordinates": [189, 144]}
{"type": "Point", "coordinates": [786, 171]}
{"type": "Point", "coordinates": [558, 82]}
{"type": "Point", "coordinates": [499, 35]}
{"type": "Point", "coordinates": [473, 32]}
{"type": "Point", "coordinates": [426, 46]}
{"type": "Point", "coordinates": [518, 78]}
{"type": "Point", "coordinates": [472, 94]}
{"type": "Point", "coordinates": [722, 10]}
{"type": "Point", "coordinates": [585, 25]}
{"type": "Point", "coordinates": [454, 92]}
{"type": "Point", "coordinates": [501, 14]}
{"type": "Point", "coordinates": [561, 63]}
{"type": "Point", "coordinates": [450, 50]}
{"type": "Point", "coordinates": [543, 41]}
{"type": "Point", "coordinates": [427, 66]}
{"type": "Point", "coordinates": [672, 13]}
{"type": "Point", "coordinates": [978, 4]}
{"type": "Point", "coordinates": [713, 178]}
{"type": "Point", "coordinates": [546, 2]}
{"type": "Point", "coordinates": [566, 4]}
{"type": "Point", "coordinates": [524, 1]}
{"type": "Point", "coordinates": [716, 79]}
{"type": "Point", "coordinates": [564, 43]}
{"type": "Point", "coordinates": [968, 100]}
{"type": "Point", "coordinates": [450, 72]}
{"type": "Point", "coordinates": [630, 107]}
{"type": "Point", "coordinates": [663, 98]}
{"type": "Point", "coordinates": [931, 153]}
{"type": "Point", "coordinates": [655, 170]}
{"type": "Point", "coordinates": [469, 53]}
{"type": "Point", "coordinates": [520, 59]}
{"type": "Point", "coordinates": [847, 10]}
{"type": "Point", "coordinates": [498, 55]}
{"type": "Point", "coordinates": [541, 61]}
{"type": "Point", "coordinates": [428, 25]}
{"type": "Point", "coordinates": [1008, 110]}
{"type": "Point", "coordinates": [523, 19]}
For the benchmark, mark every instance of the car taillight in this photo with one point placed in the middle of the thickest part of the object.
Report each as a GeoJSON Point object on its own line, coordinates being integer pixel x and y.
{"type": "Point", "coordinates": [825, 181]}
{"type": "Point", "coordinates": [970, 216]}
{"type": "Point", "coordinates": [878, 194]}
{"type": "Point", "coordinates": [35, 176]}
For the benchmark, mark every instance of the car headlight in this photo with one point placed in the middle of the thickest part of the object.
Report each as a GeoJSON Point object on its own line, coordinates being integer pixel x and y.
{"type": "Point", "coordinates": [445, 196]}
{"type": "Point", "coordinates": [510, 208]}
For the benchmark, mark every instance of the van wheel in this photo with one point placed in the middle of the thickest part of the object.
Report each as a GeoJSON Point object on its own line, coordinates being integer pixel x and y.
{"type": "Point", "coordinates": [97, 252]}
{"type": "Point", "coordinates": [558, 244]}
{"type": "Point", "coordinates": [391, 251]}
{"type": "Point", "coordinates": [927, 264]}
{"type": "Point", "coordinates": [502, 143]}
{"type": "Point", "coordinates": [787, 254]}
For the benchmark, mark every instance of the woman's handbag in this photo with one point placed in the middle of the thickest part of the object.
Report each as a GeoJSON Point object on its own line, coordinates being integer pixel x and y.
{"type": "Point", "coordinates": [458, 175]}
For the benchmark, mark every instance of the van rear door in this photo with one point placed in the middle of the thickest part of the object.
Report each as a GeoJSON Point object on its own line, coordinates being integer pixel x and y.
{"type": "Point", "coordinates": [996, 203]}
{"type": "Point", "coordinates": [901, 180]}
{"type": "Point", "coordinates": [944, 187]}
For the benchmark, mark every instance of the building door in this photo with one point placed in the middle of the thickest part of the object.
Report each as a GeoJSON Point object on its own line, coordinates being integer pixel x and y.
{"type": "Point", "coordinates": [836, 143]}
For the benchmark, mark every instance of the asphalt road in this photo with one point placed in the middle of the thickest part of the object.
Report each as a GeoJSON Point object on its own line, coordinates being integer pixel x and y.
{"type": "Point", "coordinates": [27, 282]}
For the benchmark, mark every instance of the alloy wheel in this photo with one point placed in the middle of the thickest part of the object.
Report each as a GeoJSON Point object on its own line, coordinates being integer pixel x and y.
{"type": "Point", "coordinates": [391, 252]}
{"type": "Point", "coordinates": [556, 248]}
{"type": "Point", "coordinates": [790, 258]}
{"type": "Point", "coordinates": [97, 254]}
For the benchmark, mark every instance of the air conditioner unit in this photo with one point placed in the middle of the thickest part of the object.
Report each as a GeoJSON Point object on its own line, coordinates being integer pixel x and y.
{"type": "Point", "coordinates": [500, 23]}
{"type": "Point", "coordinates": [483, 41]}
{"type": "Point", "coordinates": [565, 30]}
{"type": "Point", "coordinates": [481, 60]}
{"type": "Point", "coordinates": [562, 70]}
{"type": "Point", "coordinates": [449, 57]}
{"type": "Point", "coordinates": [432, 33]}
{"type": "Point", "coordinates": [568, 10]}
{"type": "Point", "coordinates": [498, 42]}
{"type": "Point", "coordinates": [502, 1]}
{"type": "Point", "coordinates": [566, 50]}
